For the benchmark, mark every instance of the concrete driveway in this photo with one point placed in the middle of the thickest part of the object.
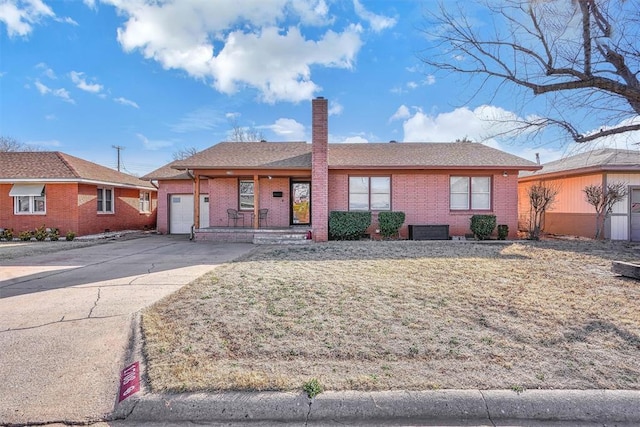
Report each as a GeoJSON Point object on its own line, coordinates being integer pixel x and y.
{"type": "Point", "coordinates": [65, 320]}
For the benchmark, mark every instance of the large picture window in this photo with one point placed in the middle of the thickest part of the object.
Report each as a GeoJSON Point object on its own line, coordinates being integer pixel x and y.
{"type": "Point", "coordinates": [369, 193]}
{"type": "Point", "coordinates": [105, 200]}
{"type": "Point", "coordinates": [470, 193]}
{"type": "Point", "coordinates": [247, 201]}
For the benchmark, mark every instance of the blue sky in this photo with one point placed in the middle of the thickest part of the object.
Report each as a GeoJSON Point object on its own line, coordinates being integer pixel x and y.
{"type": "Point", "coordinates": [81, 76]}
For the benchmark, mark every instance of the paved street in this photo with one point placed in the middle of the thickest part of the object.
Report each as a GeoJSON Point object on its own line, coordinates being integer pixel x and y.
{"type": "Point", "coordinates": [65, 320]}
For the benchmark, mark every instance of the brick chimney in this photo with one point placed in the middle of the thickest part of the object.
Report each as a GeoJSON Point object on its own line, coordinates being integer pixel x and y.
{"type": "Point", "coordinates": [320, 169]}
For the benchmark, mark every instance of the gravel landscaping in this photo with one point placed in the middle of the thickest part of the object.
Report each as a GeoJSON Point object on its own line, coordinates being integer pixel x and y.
{"type": "Point", "coordinates": [403, 315]}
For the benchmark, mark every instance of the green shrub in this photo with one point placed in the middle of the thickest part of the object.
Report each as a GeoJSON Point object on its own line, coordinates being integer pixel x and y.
{"type": "Point", "coordinates": [483, 225]}
{"type": "Point", "coordinates": [40, 233]}
{"type": "Point", "coordinates": [54, 234]}
{"type": "Point", "coordinates": [348, 225]}
{"type": "Point", "coordinates": [25, 235]}
{"type": "Point", "coordinates": [7, 234]}
{"type": "Point", "coordinates": [70, 235]}
{"type": "Point", "coordinates": [312, 388]}
{"type": "Point", "coordinates": [390, 223]}
{"type": "Point", "coordinates": [503, 231]}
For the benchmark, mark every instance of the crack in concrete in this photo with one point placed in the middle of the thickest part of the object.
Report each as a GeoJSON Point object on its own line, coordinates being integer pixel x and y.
{"type": "Point", "coordinates": [27, 328]}
{"type": "Point", "coordinates": [95, 304]}
{"type": "Point", "coordinates": [306, 421]}
{"type": "Point", "coordinates": [486, 406]}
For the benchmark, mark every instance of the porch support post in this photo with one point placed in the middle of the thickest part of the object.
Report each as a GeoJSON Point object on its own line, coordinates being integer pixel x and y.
{"type": "Point", "coordinates": [196, 201]}
{"type": "Point", "coordinates": [256, 201]}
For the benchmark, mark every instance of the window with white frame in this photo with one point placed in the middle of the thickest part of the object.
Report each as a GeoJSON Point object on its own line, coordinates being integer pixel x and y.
{"type": "Point", "coordinates": [105, 200]}
{"type": "Point", "coordinates": [247, 201]}
{"type": "Point", "coordinates": [369, 193]}
{"type": "Point", "coordinates": [28, 199]}
{"type": "Point", "coordinates": [470, 193]}
{"type": "Point", "coordinates": [145, 202]}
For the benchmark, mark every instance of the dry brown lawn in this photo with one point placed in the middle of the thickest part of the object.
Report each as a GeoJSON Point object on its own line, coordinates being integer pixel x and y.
{"type": "Point", "coordinates": [403, 315]}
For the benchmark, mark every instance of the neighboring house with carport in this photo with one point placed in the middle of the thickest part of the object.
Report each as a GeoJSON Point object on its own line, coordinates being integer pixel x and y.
{"type": "Point", "coordinates": [301, 183]}
{"type": "Point", "coordinates": [60, 191]}
{"type": "Point", "coordinates": [571, 214]}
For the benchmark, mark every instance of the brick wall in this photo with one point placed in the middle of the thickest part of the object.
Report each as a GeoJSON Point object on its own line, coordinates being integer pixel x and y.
{"type": "Point", "coordinates": [319, 170]}
{"type": "Point", "coordinates": [424, 198]}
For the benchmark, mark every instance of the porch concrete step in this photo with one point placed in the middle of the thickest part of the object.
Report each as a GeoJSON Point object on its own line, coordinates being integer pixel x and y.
{"type": "Point", "coordinates": [281, 239]}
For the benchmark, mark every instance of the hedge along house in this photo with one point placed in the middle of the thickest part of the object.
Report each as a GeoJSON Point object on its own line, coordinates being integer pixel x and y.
{"type": "Point", "coordinates": [571, 214]}
{"type": "Point", "coordinates": [71, 194]}
{"type": "Point", "coordinates": [300, 183]}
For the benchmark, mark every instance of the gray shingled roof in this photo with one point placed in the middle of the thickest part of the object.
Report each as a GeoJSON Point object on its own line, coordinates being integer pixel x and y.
{"type": "Point", "coordinates": [297, 155]}
{"type": "Point", "coordinates": [602, 159]}
{"type": "Point", "coordinates": [54, 165]}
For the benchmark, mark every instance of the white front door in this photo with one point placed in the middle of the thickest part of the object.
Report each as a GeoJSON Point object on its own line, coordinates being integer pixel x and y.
{"type": "Point", "coordinates": [204, 210]}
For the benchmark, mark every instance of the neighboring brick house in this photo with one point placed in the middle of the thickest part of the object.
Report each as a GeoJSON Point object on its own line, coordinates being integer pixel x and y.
{"type": "Point", "coordinates": [60, 191]}
{"type": "Point", "coordinates": [570, 214]}
{"type": "Point", "coordinates": [300, 183]}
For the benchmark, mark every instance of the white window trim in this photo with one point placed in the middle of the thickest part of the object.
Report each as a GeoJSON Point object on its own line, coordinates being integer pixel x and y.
{"type": "Point", "coordinates": [369, 193]}
{"type": "Point", "coordinates": [31, 211]}
{"type": "Point", "coordinates": [470, 194]}
{"type": "Point", "coordinates": [102, 211]}
{"type": "Point", "coordinates": [240, 194]}
{"type": "Point", "coordinates": [145, 202]}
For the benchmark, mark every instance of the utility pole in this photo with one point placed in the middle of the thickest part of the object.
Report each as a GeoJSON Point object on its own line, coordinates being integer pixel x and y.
{"type": "Point", "coordinates": [118, 148]}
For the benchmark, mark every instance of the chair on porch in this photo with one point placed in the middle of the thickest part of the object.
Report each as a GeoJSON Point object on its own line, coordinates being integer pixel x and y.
{"type": "Point", "coordinates": [233, 214]}
{"type": "Point", "coordinates": [262, 216]}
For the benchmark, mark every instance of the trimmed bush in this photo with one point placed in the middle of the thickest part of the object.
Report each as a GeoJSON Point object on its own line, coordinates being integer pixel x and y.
{"type": "Point", "coordinates": [390, 223]}
{"type": "Point", "coordinates": [25, 235]}
{"type": "Point", "coordinates": [7, 234]}
{"type": "Point", "coordinates": [40, 233]}
{"type": "Point", "coordinates": [483, 225]}
{"type": "Point", "coordinates": [348, 225]}
{"type": "Point", "coordinates": [70, 236]}
{"type": "Point", "coordinates": [503, 231]}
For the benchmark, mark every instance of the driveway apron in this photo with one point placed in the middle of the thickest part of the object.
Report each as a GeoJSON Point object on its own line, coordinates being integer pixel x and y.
{"type": "Point", "coordinates": [65, 320]}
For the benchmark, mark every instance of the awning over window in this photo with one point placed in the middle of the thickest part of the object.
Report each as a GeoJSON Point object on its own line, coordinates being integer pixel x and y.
{"type": "Point", "coordinates": [27, 190]}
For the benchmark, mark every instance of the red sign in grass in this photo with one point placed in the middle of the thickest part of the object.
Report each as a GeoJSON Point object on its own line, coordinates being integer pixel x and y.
{"type": "Point", "coordinates": [129, 381]}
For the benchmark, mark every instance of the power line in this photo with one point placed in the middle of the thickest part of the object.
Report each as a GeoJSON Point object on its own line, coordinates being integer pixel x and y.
{"type": "Point", "coordinates": [118, 148]}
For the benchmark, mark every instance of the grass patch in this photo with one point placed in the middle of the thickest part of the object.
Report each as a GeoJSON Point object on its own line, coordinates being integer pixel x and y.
{"type": "Point", "coordinates": [403, 315]}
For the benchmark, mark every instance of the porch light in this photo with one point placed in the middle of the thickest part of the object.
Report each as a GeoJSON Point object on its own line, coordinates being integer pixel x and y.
{"type": "Point", "coordinates": [229, 172]}
{"type": "Point", "coordinates": [505, 174]}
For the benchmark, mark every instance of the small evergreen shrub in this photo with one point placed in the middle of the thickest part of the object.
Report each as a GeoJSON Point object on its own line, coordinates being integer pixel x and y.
{"type": "Point", "coordinates": [482, 226]}
{"type": "Point", "coordinates": [7, 234]}
{"type": "Point", "coordinates": [25, 235]}
{"type": "Point", "coordinates": [70, 235]}
{"type": "Point", "coordinates": [390, 223]}
{"type": "Point", "coordinates": [54, 234]}
{"type": "Point", "coordinates": [503, 231]}
{"type": "Point", "coordinates": [40, 233]}
{"type": "Point", "coordinates": [348, 225]}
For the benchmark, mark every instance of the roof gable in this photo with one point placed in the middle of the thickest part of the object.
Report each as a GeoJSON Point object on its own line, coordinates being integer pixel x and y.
{"type": "Point", "coordinates": [54, 165]}
{"type": "Point", "coordinates": [602, 159]}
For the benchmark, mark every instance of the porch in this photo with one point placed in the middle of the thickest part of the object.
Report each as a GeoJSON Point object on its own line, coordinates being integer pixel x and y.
{"type": "Point", "coordinates": [263, 236]}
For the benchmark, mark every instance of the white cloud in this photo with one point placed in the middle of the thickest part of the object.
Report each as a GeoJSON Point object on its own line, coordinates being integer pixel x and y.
{"type": "Point", "coordinates": [46, 70]}
{"type": "Point", "coordinates": [355, 140]}
{"type": "Point", "coordinates": [60, 93]}
{"type": "Point", "coordinates": [20, 16]}
{"type": "Point", "coordinates": [335, 108]}
{"type": "Point", "coordinates": [377, 22]}
{"type": "Point", "coordinates": [412, 85]}
{"type": "Point", "coordinates": [401, 113]}
{"type": "Point", "coordinates": [125, 101]}
{"type": "Point", "coordinates": [235, 44]}
{"type": "Point", "coordinates": [429, 80]}
{"type": "Point", "coordinates": [153, 145]}
{"type": "Point", "coordinates": [90, 3]}
{"type": "Point", "coordinates": [47, 143]}
{"type": "Point", "coordinates": [198, 120]}
{"type": "Point", "coordinates": [79, 80]}
{"type": "Point", "coordinates": [288, 129]}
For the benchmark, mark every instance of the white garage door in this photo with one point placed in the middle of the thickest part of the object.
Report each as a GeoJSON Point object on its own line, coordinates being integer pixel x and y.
{"type": "Point", "coordinates": [181, 213]}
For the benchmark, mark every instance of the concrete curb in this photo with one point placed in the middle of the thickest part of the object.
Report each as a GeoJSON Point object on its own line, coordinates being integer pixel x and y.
{"type": "Point", "coordinates": [620, 406]}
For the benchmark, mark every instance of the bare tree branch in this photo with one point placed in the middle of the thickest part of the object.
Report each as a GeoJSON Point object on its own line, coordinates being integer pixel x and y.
{"type": "Point", "coordinates": [548, 48]}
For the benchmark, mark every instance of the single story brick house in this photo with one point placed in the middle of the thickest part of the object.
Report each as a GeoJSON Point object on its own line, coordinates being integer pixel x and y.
{"type": "Point", "coordinates": [60, 191]}
{"type": "Point", "coordinates": [571, 214]}
{"type": "Point", "coordinates": [300, 183]}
